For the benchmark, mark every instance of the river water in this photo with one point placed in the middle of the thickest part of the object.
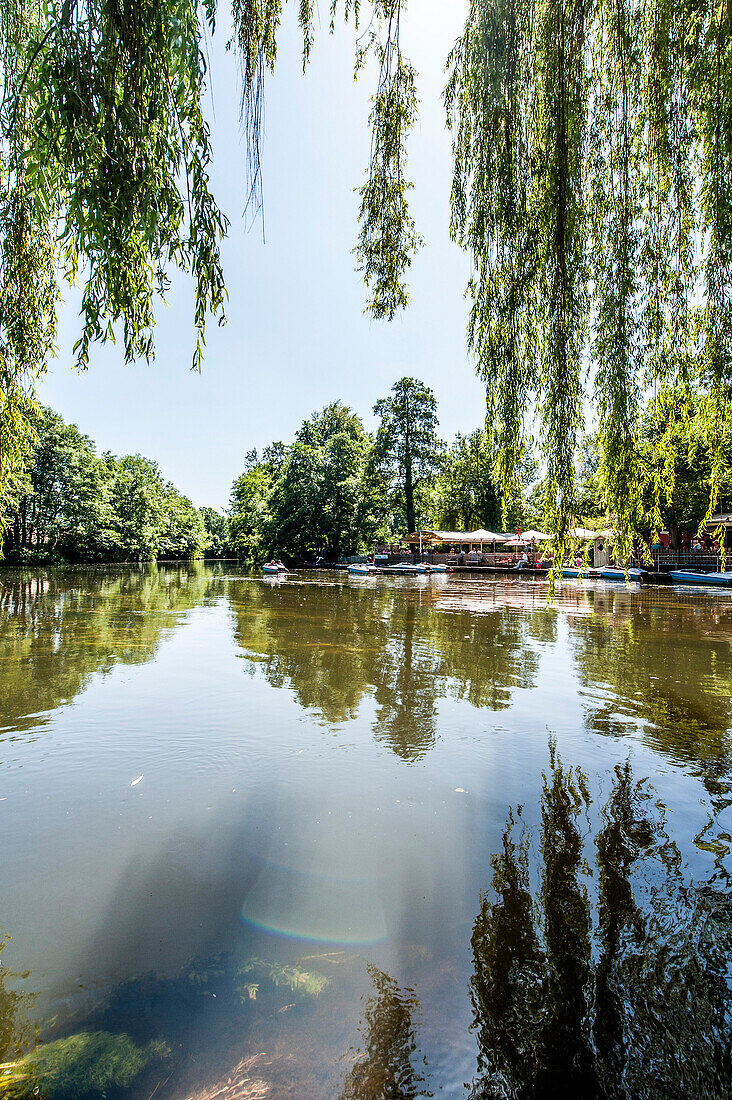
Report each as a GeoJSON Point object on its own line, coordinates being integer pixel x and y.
{"type": "Point", "coordinates": [362, 838]}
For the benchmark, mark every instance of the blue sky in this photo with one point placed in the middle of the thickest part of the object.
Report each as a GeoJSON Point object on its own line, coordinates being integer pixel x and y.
{"type": "Point", "coordinates": [297, 337]}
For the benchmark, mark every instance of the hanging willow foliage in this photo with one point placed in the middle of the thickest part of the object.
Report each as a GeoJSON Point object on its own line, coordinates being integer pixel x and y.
{"type": "Point", "coordinates": [104, 161]}
{"type": "Point", "coordinates": [592, 187]}
{"type": "Point", "coordinates": [388, 237]}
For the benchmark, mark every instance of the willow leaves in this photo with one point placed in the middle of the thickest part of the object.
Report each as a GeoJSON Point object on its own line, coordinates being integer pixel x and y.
{"type": "Point", "coordinates": [592, 184]}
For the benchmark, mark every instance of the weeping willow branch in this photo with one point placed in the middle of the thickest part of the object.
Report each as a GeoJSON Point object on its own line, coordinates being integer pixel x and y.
{"type": "Point", "coordinates": [491, 215]}
{"type": "Point", "coordinates": [592, 187]}
{"type": "Point", "coordinates": [28, 252]}
{"type": "Point", "coordinates": [104, 174]}
{"type": "Point", "coordinates": [388, 237]}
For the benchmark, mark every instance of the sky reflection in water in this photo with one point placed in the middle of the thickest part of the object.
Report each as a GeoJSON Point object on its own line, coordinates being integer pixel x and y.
{"type": "Point", "coordinates": [412, 835]}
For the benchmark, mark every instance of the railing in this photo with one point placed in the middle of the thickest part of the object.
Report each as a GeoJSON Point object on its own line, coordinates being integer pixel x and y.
{"type": "Point", "coordinates": [705, 560]}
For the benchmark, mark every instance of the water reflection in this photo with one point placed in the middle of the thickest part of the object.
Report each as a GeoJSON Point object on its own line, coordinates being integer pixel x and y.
{"type": "Point", "coordinates": [16, 1031]}
{"type": "Point", "coordinates": [612, 983]}
{"type": "Point", "coordinates": [595, 960]}
{"type": "Point", "coordinates": [58, 629]}
{"type": "Point", "coordinates": [338, 648]}
{"type": "Point", "coordinates": [662, 664]}
{"type": "Point", "coordinates": [386, 1065]}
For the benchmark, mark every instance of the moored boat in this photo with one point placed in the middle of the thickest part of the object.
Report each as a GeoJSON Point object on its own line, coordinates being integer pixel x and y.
{"type": "Point", "coordinates": [610, 573]}
{"type": "Point", "coordinates": [693, 576]}
{"type": "Point", "coordinates": [361, 569]}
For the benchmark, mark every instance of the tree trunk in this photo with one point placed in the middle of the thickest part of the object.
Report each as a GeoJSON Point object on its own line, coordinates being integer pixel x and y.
{"type": "Point", "coordinates": [409, 495]}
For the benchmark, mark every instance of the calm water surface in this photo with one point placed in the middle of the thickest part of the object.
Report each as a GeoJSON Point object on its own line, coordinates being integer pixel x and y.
{"type": "Point", "coordinates": [362, 837]}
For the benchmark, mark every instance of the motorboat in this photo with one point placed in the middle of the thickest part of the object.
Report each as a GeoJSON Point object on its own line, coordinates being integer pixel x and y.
{"type": "Point", "coordinates": [693, 576]}
{"type": "Point", "coordinates": [361, 569]}
{"type": "Point", "coordinates": [436, 568]}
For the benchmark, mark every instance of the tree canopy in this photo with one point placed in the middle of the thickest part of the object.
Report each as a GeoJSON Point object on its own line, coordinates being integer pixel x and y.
{"type": "Point", "coordinates": [337, 489]}
{"type": "Point", "coordinates": [76, 506]}
{"type": "Point", "coordinates": [592, 178]}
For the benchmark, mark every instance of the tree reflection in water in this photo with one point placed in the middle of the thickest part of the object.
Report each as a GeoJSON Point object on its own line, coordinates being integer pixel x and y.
{"type": "Point", "coordinates": [335, 647]}
{"type": "Point", "coordinates": [16, 1031]}
{"type": "Point", "coordinates": [60, 628]}
{"type": "Point", "coordinates": [385, 1070]}
{"type": "Point", "coordinates": [619, 989]}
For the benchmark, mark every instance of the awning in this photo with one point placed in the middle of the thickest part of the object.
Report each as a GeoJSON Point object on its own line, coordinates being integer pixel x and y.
{"type": "Point", "coordinates": [455, 536]}
{"type": "Point", "coordinates": [585, 533]}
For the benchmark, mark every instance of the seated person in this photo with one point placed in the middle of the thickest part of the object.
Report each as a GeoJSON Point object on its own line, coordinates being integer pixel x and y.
{"type": "Point", "coordinates": [523, 562]}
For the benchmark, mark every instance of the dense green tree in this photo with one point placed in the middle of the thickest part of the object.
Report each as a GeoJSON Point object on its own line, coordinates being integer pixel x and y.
{"type": "Point", "coordinates": [679, 463]}
{"type": "Point", "coordinates": [217, 528]}
{"type": "Point", "coordinates": [64, 502]}
{"type": "Point", "coordinates": [184, 532]}
{"type": "Point", "coordinates": [590, 504]}
{"type": "Point", "coordinates": [75, 506]}
{"type": "Point", "coordinates": [407, 450]}
{"type": "Point", "coordinates": [137, 487]}
{"type": "Point", "coordinates": [466, 495]}
{"type": "Point", "coordinates": [151, 518]}
{"type": "Point", "coordinates": [321, 502]}
{"type": "Point", "coordinates": [249, 512]}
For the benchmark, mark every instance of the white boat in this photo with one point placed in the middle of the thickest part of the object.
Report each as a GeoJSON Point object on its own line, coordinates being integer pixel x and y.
{"type": "Point", "coordinates": [693, 576]}
{"type": "Point", "coordinates": [437, 569]}
{"type": "Point", "coordinates": [361, 569]}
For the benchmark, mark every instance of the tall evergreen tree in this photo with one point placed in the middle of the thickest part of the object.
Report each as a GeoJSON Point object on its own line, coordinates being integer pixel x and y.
{"type": "Point", "coordinates": [407, 449]}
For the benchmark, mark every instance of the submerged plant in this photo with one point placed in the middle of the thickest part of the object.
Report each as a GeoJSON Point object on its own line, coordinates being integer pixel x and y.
{"type": "Point", "coordinates": [84, 1063]}
{"type": "Point", "coordinates": [308, 983]}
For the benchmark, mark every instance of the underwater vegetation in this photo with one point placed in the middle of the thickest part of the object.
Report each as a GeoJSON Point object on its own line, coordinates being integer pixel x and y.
{"type": "Point", "coordinates": [140, 1022]}
{"type": "Point", "coordinates": [309, 983]}
{"type": "Point", "coordinates": [80, 1064]}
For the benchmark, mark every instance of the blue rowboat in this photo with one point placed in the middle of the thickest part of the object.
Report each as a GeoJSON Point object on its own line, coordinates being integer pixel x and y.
{"type": "Point", "coordinates": [611, 574]}
{"type": "Point", "coordinates": [570, 571]}
{"type": "Point", "coordinates": [269, 569]}
{"type": "Point", "coordinates": [691, 576]}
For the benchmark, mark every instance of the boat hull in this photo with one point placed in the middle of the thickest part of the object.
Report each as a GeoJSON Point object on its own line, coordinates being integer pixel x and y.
{"type": "Point", "coordinates": [620, 574]}
{"type": "Point", "coordinates": [689, 576]}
